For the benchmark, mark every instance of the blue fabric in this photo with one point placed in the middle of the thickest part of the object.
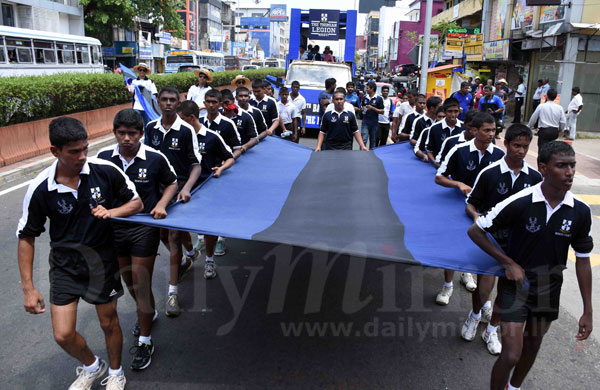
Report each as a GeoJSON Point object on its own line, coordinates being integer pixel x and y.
{"type": "Point", "coordinates": [433, 217]}
{"type": "Point", "coordinates": [129, 75]}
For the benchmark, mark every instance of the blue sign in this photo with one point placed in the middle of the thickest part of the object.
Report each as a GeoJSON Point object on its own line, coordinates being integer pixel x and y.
{"type": "Point", "coordinates": [324, 24]}
{"type": "Point", "coordinates": [109, 52]}
{"type": "Point", "coordinates": [164, 38]}
{"type": "Point", "coordinates": [126, 48]}
{"type": "Point", "coordinates": [278, 12]}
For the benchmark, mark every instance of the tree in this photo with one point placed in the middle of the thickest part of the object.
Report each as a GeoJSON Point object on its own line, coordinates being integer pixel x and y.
{"type": "Point", "coordinates": [100, 16]}
{"type": "Point", "coordinates": [442, 27]}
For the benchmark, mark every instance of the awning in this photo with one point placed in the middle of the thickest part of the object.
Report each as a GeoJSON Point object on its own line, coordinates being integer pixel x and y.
{"type": "Point", "coordinates": [586, 28]}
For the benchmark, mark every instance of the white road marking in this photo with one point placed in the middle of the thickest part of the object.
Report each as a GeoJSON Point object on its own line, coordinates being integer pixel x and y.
{"type": "Point", "coordinates": [11, 189]}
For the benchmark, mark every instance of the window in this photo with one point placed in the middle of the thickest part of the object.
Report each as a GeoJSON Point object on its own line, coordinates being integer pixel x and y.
{"type": "Point", "coordinates": [83, 56]}
{"type": "Point", "coordinates": [44, 52]}
{"type": "Point", "coordinates": [66, 53]}
{"type": "Point", "coordinates": [19, 51]}
{"type": "Point", "coordinates": [2, 55]}
{"type": "Point", "coordinates": [95, 57]}
{"type": "Point", "coordinates": [8, 15]}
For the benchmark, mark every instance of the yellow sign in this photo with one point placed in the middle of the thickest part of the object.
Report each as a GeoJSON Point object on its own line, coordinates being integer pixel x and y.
{"type": "Point", "coordinates": [454, 47]}
{"type": "Point", "coordinates": [179, 52]}
{"type": "Point", "coordinates": [473, 47]}
{"type": "Point", "coordinates": [127, 50]}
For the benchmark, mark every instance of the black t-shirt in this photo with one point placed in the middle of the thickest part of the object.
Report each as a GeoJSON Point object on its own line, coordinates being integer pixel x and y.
{"type": "Point", "coordinates": [448, 144]}
{"type": "Point", "coordinates": [213, 149]}
{"type": "Point", "coordinates": [72, 226]}
{"type": "Point", "coordinates": [463, 162]}
{"type": "Point", "coordinates": [226, 129]}
{"type": "Point", "coordinates": [178, 144]}
{"type": "Point", "coordinates": [339, 128]}
{"type": "Point", "coordinates": [149, 171]}
{"type": "Point", "coordinates": [408, 123]}
{"type": "Point", "coordinates": [420, 124]}
{"type": "Point", "coordinates": [370, 116]}
{"type": "Point", "coordinates": [438, 133]}
{"type": "Point", "coordinates": [268, 107]}
{"type": "Point", "coordinates": [245, 126]}
{"type": "Point", "coordinates": [259, 119]}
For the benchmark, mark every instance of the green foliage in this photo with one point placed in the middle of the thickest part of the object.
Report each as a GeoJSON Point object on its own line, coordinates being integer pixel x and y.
{"type": "Point", "coordinates": [443, 26]}
{"type": "Point", "coordinates": [101, 15]}
{"type": "Point", "coordinates": [29, 98]}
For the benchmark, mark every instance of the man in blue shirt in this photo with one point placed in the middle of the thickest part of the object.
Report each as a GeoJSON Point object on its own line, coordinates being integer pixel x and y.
{"type": "Point", "coordinates": [326, 95]}
{"type": "Point", "coordinates": [352, 96]}
{"type": "Point", "coordinates": [491, 104]}
{"type": "Point", "coordinates": [465, 99]}
{"type": "Point", "coordinates": [373, 107]}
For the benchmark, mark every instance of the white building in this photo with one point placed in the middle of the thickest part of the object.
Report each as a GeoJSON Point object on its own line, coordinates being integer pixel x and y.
{"type": "Point", "coordinates": [58, 16]}
{"type": "Point", "coordinates": [387, 17]}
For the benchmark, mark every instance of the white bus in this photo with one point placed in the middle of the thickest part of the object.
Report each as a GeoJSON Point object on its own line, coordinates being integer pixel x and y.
{"type": "Point", "coordinates": [25, 52]}
{"type": "Point", "coordinates": [274, 63]}
{"type": "Point", "coordinates": [174, 59]}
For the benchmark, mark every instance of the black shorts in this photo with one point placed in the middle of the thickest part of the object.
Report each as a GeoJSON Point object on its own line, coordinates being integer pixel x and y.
{"type": "Point", "coordinates": [132, 239]}
{"type": "Point", "coordinates": [90, 275]}
{"type": "Point", "coordinates": [541, 301]}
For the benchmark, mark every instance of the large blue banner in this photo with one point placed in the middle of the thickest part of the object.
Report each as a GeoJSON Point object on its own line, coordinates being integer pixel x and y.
{"type": "Point", "coordinates": [324, 24]}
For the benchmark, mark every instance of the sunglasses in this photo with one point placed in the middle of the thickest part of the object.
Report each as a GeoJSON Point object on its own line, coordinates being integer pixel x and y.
{"type": "Point", "coordinates": [240, 82]}
{"type": "Point", "coordinates": [202, 76]}
{"type": "Point", "coordinates": [142, 70]}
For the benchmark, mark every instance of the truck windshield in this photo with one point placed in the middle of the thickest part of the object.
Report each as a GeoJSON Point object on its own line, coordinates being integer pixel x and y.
{"type": "Point", "coordinates": [314, 75]}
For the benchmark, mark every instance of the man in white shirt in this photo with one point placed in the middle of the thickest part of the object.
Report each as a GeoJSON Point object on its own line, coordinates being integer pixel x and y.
{"type": "Point", "coordinates": [402, 111]}
{"type": "Point", "coordinates": [197, 92]}
{"type": "Point", "coordinates": [537, 95]}
{"type": "Point", "coordinates": [288, 114]}
{"type": "Point", "coordinates": [300, 103]}
{"type": "Point", "coordinates": [551, 119]}
{"type": "Point", "coordinates": [384, 119]}
{"type": "Point", "coordinates": [573, 111]}
{"type": "Point", "coordinates": [519, 99]}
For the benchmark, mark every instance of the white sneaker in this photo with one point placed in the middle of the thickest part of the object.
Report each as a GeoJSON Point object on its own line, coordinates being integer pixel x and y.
{"type": "Point", "coordinates": [469, 329]}
{"type": "Point", "coordinates": [85, 379]}
{"type": "Point", "coordinates": [443, 297]}
{"type": "Point", "coordinates": [114, 382]}
{"type": "Point", "coordinates": [486, 314]}
{"type": "Point", "coordinates": [468, 280]}
{"type": "Point", "coordinates": [492, 341]}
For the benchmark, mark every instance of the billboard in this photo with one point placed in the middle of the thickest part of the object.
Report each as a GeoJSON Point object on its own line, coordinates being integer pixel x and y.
{"type": "Point", "coordinates": [278, 12]}
{"type": "Point", "coordinates": [324, 24]}
{"type": "Point", "coordinates": [497, 50]}
{"type": "Point", "coordinates": [522, 15]}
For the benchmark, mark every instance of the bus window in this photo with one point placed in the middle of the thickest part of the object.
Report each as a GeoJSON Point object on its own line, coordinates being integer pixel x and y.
{"type": "Point", "coordinates": [180, 60]}
{"type": "Point", "coordinates": [65, 53]}
{"type": "Point", "coordinates": [94, 55]}
{"type": "Point", "coordinates": [19, 51]}
{"type": "Point", "coordinates": [44, 52]}
{"type": "Point", "coordinates": [2, 57]}
{"type": "Point", "coordinates": [82, 54]}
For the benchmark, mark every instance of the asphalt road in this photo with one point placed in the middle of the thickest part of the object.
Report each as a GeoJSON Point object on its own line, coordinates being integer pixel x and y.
{"type": "Point", "coordinates": [285, 317]}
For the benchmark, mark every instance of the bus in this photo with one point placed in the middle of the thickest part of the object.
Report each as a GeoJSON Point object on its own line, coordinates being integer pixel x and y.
{"type": "Point", "coordinates": [312, 74]}
{"type": "Point", "coordinates": [25, 52]}
{"type": "Point", "coordinates": [235, 62]}
{"type": "Point", "coordinates": [258, 62]}
{"type": "Point", "coordinates": [215, 62]}
{"type": "Point", "coordinates": [274, 63]}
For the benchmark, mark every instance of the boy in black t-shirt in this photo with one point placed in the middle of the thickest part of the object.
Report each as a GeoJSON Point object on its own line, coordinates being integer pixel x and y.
{"type": "Point", "coordinates": [78, 195]}
{"type": "Point", "coordinates": [338, 127]}
{"type": "Point", "coordinates": [543, 221]}
{"type": "Point", "coordinates": [136, 244]}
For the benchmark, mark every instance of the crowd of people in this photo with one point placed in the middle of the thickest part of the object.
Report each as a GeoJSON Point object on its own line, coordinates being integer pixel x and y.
{"type": "Point", "coordinates": [531, 214]}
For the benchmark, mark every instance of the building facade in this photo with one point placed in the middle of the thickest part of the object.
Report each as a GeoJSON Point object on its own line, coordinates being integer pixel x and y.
{"type": "Point", "coordinates": [372, 33]}
{"type": "Point", "coordinates": [61, 16]}
{"type": "Point", "coordinates": [210, 25]}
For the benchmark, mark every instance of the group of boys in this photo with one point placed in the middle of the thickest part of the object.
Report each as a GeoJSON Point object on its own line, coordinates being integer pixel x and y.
{"type": "Point", "coordinates": [147, 169]}
{"type": "Point", "coordinates": [532, 216]}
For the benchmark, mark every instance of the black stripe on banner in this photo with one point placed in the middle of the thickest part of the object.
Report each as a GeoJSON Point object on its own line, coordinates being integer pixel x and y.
{"type": "Point", "coordinates": [340, 203]}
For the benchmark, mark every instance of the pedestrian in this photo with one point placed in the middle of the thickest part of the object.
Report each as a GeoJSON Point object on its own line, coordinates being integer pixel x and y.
{"type": "Point", "coordinates": [447, 127]}
{"type": "Point", "coordinates": [315, 54]}
{"type": "Point", "coordinates": [420, 148]}
{"type": "Point", "coordinates": [240, 81]}
{"type": "Point", "coordinates": [475, 85]}
{"type": "Point", "coordinates": [537, 95]}
{"type": "Point", "coordinates": [217, 156]}
{"type": "Point", "coordinates": [495, 183]}
{"type": "Point", "coordinates": [338, 127]}
{"type": "Point", "coordinates": [478, 96]}
{"type": "Point", "coordinates": [401, 113]}
{"type": "Point", "coordinates": [551, 118]}
{"type": "Point", "coordinates": [327, 54]}
{"type": "Point", "coordinates": [137, 245]}
{"type": "Point", "coordinates": [78, 195]}
{"type": "Point", "coordinates": [383, 131]}
{"type": "Point", "coordinates": [490, 82]}
{"type": "Point", "coordinates": [408, 120]}
{"type": "Point", "coordinates": [300, 103]}
{"type": "Point", "coordinates": [372, 108]}
{"type": "Point", "coordinates": [465, 99]}
{"type": "Point", "coordinates": [170, 135]}
{"type": "Point", "coordinates": [352, 97]}
{"type": "Point", "coordinates": [542, 221]}
{"type": "Point", "coordinates": [243, 121]}
{"type": "Point", "coordinates": [493, 105]}
{"type": "Point", "coordinates": [142, 82]}
{"type": "Point", "coordinates": [427, 119]}
{"type": "Point", "coordinates": [466, 135]}
{"type": "Point", "coordinates": [519, 100]}
{"type": "Point", "coordinates": [302, 54]}
{"type": "Point", "coordinates": [307, 53]}
{"type": "Point", "coordinates": [573, 111]}
{"type": "Point", "coordinates": [196, 92]}
{"type": "Point", "coordinates": [287, 116]}
{"type": "Point", "coordinates": [459, 170]}
{"type": "Point", "coordinates": [242, 97]}
{"type": "Point", "coordinates": [266, 104]}
{"type": "Point", "coordinates": [546, 86]}
{"type": "Point", "coordinates": [326, 95]}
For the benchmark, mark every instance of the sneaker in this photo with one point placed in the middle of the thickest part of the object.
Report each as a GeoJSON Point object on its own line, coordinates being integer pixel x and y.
{"type": "Point", "coordinates": [188, 261]}
{"type": "Point", "coordinates": [220, 248]}
{"type": "Point", "coordinates": [469, 329]}
{"type": "Point", "coordinates": [142, 355]}
{"type": "Point", "coordinates": [85, 379]}
{"type": "Point", "coordinates": [199, 245]}
{"type": "Point", "coordinates": [492, 341]}
{"type": "Point", "coordinates": [137, 329]}
{"type": "Point", "coordinates": [210, 270]}
{"type": "Point", "coordinates": [173, 309]}
{"type": "Point", "coordinates": [468, 280]}
{"type": "Point", "coordinates": [486, 314]}
{"type": "Point", "coordinates": [443, 297]}
{"type": "Point", "coordinates": [114, 382]}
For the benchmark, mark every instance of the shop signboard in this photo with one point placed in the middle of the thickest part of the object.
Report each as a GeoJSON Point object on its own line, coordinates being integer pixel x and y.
{"type": "Point", "coordinates": [496, 50]}
{"type": "Point", "coordinates": [164, 38]}
{"type": "Point", "coordinates": [278, 12]}
{"type": "Point", "coordinates": [522, 15]}
{"type": "Point", "coordinates": [549, 14]}
{"type": "Point", "coordinates": [145, 53]}
{"type": "Point", "coordinates": [126, 48]}
{"type": "Point", "coordinates": [109, 52]}
{"type": "Point", "coordinates": [324, 24]}
{"type": "Point", "coordinates": [497, 20]}
{"type": "Point", "coordinates": [473, 47]}
{"type": "Point", "coordinates": [453, 47]}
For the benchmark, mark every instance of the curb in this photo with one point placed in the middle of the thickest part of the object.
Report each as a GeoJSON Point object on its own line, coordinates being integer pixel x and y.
{"type": "Point", "coordinates": [46, 160]}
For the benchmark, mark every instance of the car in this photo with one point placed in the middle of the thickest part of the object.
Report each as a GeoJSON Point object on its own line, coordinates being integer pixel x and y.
{"type": "Point", "coordinates": [188, 68]}
{"type": "Point", "coordinates": [249, 67]}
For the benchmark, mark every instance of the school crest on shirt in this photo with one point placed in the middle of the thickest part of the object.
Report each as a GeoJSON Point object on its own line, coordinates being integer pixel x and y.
{"type": "Point", "coordinates": [533, 226]}
{"type": "Point", "coordinates": [155, 140]}
{"type": "Point", "coordinates": [345, 119]}
{"type": "Point", "coordinates": [63, 207]}
{"type": "Point", "coordinates": [142, 173]}
{"type": "Point", "coordinates": [502, 188]}
{"type": "Point", "coordinates": [263, 107]}
{"type": "Point", "coordinates": [201, 146]}
{"type": "Point", "coordinates": [471, 166]}
{"type": "Point", "coordinates": [526, 185]}
{"type": "Point", "coordinates": [174, 143]}
{"type": "Point", "coordinates": [96, 194]}
{"type": "Point", "coordinates": [334, 119]}
{"type": "Point", "coordinates": [565, 228]}
{"type": "Point", "coordinates": [238, 122]}
{"type": "Point", "coordinates": [443, 137]}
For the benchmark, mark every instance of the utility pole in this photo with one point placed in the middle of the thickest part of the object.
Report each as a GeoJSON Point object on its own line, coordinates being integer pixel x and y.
{"type": "Point", "coordinates": [425, 52]}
